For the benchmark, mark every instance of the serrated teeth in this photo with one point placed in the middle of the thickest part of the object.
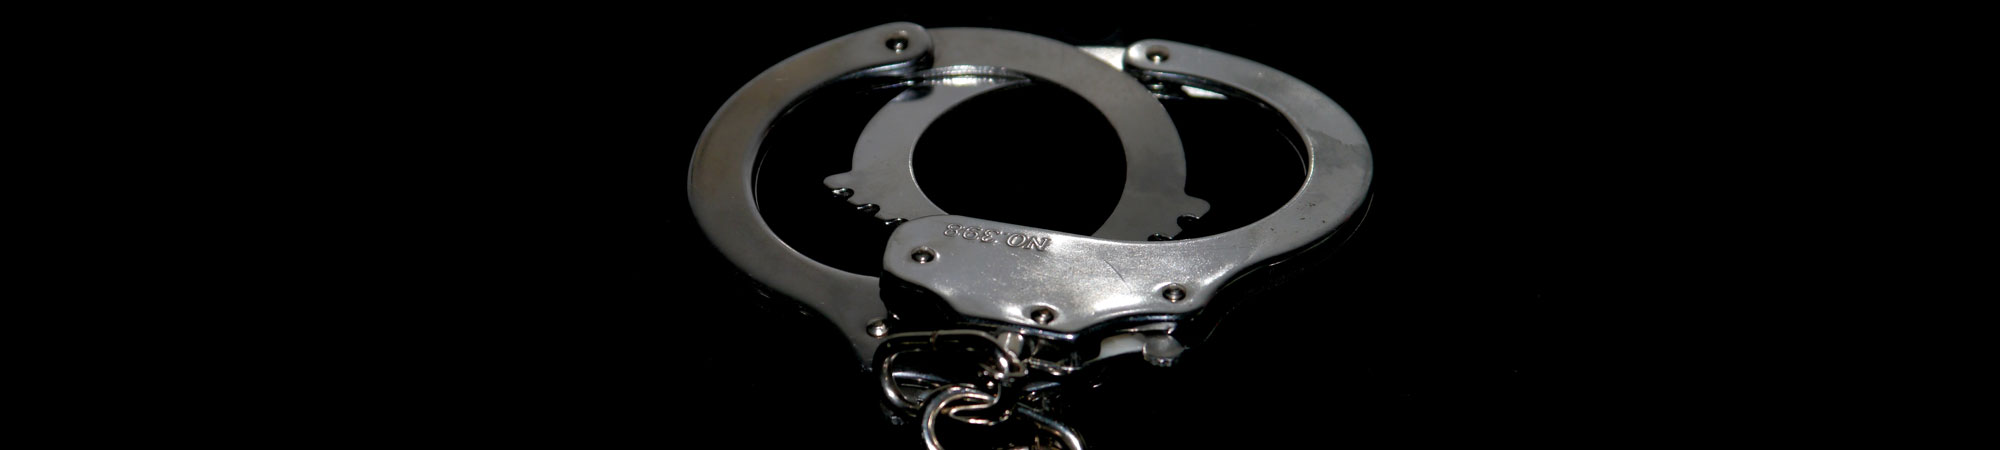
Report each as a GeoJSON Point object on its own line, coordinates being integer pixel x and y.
{"type": "Point", "coordinates": [882, 184]}
{"type": "Point", "coordinates": [877, 206]}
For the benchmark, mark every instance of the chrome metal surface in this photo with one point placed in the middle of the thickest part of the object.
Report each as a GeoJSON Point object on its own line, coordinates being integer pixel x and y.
{"type": "Point", "coordinates": [1114, 56]}
{"type": "Point", "coordinates": [1086, 281]}
{"type": "Point", "coordinates": [882, 171]}
{"type": "Point", "coordinates": [1005, 363]}
{"type": "Point", "coordinates": [1067, 438]}
{"type": "Point", "coordinates": [1025, 288]}
{"type": "Point", "coordinates": [877, 328]}
{"type": "Point", "coordinates": [1155, 193]}
{"type": "Point", "coordinates": [936, 404]}
{"type": "Point", "coordinates": [1161, 350]}
{"type": "Point", "coordinates": [1004, 376]}
{"type": "Point", "coordinates": [1043, 315]}
{"type": "Point", "coordinates": [720, 175]}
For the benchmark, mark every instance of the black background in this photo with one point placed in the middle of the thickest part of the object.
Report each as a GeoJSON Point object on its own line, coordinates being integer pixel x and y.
{"type": "Point", "coordinates": [534, 274]}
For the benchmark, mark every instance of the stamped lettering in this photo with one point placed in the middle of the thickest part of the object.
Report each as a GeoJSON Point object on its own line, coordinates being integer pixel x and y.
{"type": "Point", "coordinates": [997, 237]}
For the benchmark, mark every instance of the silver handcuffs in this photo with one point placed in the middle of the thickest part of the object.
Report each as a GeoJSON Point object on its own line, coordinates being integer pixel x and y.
{"type": "Point", "coordinates": [1017, 308]}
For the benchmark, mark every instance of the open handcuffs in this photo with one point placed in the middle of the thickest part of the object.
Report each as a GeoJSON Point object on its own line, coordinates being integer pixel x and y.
{"type": "Point", "coordinates": [976, 320]}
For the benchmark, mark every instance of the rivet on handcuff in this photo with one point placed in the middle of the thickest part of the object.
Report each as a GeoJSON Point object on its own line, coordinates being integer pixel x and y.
{"type": "Point", "coordinates": [1045, 304]}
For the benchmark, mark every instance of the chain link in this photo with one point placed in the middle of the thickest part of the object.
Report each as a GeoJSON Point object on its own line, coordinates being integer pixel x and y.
{"type": "Point", "coordinates": [963, 401]}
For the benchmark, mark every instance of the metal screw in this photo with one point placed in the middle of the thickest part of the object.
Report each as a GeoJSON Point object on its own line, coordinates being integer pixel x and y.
{"type": "Point", "coordinates": [897, 43]}
{"type": "Point", "coordinates": [1186, 220]}
{"type": "Point", "coordinates": [923, 255]}
{"type": "Point", "coordinates": [842, 192]}
{"type": "Point", "coordinates": [1174, 292]}
{"type": "Point", "coordinates": [1043, 315]}
{"type": "Point", "coordinates": [877, 329]}
{"type": "Point", "coordinates": [869, 208]}
{"type": "Point", "coordinates": [1161, 350]}
{"type": "Point", "coordinates": [1156, 54]}
{"type": "Point", "coordinates": [1159, 237]}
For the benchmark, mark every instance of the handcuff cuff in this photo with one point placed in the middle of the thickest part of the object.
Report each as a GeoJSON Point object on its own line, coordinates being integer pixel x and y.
{"type": "Point", "coordinates": [981, 321]}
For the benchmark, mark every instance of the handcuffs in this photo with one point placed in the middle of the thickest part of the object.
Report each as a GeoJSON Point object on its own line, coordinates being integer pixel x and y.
{"type": "Point", "coordinates": [981, 321]}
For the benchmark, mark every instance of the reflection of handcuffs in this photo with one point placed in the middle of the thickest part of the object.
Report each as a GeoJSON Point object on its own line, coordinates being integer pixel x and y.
{"type": "Point", "coordinates": [974, 319]}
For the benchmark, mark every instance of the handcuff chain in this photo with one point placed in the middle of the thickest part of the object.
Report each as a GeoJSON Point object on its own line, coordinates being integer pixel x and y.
{"type": "Point", "coordinates": [949, 399]}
